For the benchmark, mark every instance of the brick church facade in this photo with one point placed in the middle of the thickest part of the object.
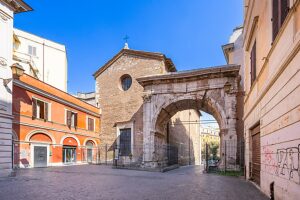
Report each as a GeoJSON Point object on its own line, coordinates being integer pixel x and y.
{"type": "Point", "coordinates": [120, 98]}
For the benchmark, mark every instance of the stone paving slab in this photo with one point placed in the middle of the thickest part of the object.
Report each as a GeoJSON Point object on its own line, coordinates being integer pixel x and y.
{"type": "Point", "coordinates": [103, 182]}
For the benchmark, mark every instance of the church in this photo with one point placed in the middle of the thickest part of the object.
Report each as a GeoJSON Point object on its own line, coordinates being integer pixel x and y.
{"type": "Point", "coordinates": [120, 98]}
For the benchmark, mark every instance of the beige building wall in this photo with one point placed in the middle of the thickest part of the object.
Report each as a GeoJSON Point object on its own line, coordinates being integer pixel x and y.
{"type": "Point", "coordinates": [184, 133]}
{"type": "Point", "coordinates": [41, 58]}
{"type": "Point", "coordinates": [272, 102]}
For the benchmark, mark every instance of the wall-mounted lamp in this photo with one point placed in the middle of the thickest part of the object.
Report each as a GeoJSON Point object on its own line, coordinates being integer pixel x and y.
{"type": "Point", "coordinates": [17, 70]}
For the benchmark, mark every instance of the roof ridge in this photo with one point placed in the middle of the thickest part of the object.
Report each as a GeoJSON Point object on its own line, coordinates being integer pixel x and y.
{"type": "Point", "coordinates": [154, 55]}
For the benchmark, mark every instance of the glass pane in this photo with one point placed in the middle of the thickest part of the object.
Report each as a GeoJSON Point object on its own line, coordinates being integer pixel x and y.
{"type": "Point", "coordinates": [125, 142]}
{"type": "Point", "coordinates": [126, 82]}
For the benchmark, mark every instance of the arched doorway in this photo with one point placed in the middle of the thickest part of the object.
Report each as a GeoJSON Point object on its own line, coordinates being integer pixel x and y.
{"type": "Point", "coordinates": [69, 150]}
{"type": "Point", "coordinates": [213, 90]}
{"type": "Point", "coordinates": [40, 143]}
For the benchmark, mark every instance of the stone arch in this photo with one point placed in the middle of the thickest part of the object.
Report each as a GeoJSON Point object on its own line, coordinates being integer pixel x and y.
{"type": "Point", "coordinates": [69, 136]}
{"type": "Point", "coordinates": [213, 90]}
{"type": "Point", "coordinates": [89, 139]}
{"type": "Point", "coordinates": [28, 136]}
{"type": "Point", "coordinates": [170, 108]}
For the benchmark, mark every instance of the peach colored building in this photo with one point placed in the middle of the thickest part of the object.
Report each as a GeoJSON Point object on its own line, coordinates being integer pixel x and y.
{"type": "Point", "coordinates": [51, 127]}
{"type": "Point", "coordinates": [272, 96]}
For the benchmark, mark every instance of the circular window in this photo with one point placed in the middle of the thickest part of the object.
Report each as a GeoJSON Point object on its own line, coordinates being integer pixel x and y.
{"type": "Point", "coordinates": [126, 82]}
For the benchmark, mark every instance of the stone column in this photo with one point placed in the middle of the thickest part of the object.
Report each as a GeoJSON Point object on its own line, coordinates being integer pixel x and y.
{"type": "Point", "coordinates": [6, 50]}
{"type": "Point", "coordinates": [148, 133]}
{"type": "Point", "coordinates": [229, 134]}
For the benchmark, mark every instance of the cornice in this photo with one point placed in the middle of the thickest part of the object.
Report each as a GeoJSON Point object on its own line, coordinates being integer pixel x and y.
{"type": "Point", "coordinates": [17, 6]}
{"type": "Point", "coordinates": [52, 97]}
{"type": "Point", "coordinates": [215, 72]}
{"type": "Point", "coordinates": [53, 129]}
{"type": "Point", "coordinates": [15, 114]}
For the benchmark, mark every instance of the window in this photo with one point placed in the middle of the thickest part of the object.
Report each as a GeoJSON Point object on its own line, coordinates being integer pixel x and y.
{"type": "Point", "coordinates": [90, 122]}
{"type": "Point", "coordinates": [71, 120]}
{"type": "Point", "coordinates": [40, 109]}
{"type": "Point", "coordinates": [253, 63]}
{"type": "Point", "coordinates": [280, 10]}
{"type": "Point", "coordinates": [126, 82]}
{"type": "Point", "coordinates": [125, 142]}
{"type": "Point", "coordinates": [31, 50]}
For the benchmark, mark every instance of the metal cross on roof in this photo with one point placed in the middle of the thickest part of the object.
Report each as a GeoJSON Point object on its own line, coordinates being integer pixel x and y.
{"type": "Point", "coordinates": [126, 38]}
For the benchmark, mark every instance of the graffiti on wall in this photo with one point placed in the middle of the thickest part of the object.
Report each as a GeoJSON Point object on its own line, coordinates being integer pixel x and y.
{"type": "Point", "coordinates": [284, 163]}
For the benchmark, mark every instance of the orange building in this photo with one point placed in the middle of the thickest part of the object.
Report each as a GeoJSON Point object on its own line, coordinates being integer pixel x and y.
{"type": "Point", "coordinates": [51, 127]}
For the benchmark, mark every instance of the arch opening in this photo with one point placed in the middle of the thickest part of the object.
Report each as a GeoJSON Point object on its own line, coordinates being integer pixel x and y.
{"type": "Point", "coordinates": [207, 105]}
{"type": "Point", "coordinates": [179, 124]}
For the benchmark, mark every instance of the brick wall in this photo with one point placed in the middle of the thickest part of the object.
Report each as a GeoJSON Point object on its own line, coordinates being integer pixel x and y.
{"type": "Point", "coordinates": [124, 106]}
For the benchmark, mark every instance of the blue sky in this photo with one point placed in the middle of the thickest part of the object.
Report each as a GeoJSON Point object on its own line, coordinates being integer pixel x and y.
{"type": "Point", "coordinates": [190, 32]}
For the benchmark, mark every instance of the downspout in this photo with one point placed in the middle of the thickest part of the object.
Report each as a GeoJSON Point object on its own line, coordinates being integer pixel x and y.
{"type": "Point", "coordinates": [44, 61]}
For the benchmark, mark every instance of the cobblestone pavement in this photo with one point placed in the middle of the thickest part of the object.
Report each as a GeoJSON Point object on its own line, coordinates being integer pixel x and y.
{"type": "Point", "coordinates": [103, 182]}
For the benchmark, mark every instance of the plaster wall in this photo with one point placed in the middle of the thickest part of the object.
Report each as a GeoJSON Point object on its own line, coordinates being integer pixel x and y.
{"type": "Point", "coordinates": [273, 99]}
{"type": "Point", "coordinates": [50, 61]}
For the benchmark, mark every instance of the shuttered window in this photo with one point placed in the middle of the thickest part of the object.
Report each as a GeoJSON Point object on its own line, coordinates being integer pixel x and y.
{"type": "Point", "coordinates": [253, 63]}
{"type": "Point", "coordinates": [91, 124]}
{"type": "Point", "coordinates": [71, 120]}
{"type": "Point", "coordinates": [32, 50]}
{"type": "Point", "coordinates": [125, 142]}
{"type": "Point", "coordinates": [280, 10]}
{"type": "Point", "coordinates": [40, 110]}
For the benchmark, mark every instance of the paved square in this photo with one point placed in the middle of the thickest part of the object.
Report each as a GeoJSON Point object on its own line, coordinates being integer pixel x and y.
{"type": "Point", "coordinates": [103, 182]}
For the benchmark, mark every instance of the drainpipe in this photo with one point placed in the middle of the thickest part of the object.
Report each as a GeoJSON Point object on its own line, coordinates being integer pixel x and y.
{"type": "Point", "coordinates": [44, 61]}
{"type": "Point", "coordinates": [189, 137]}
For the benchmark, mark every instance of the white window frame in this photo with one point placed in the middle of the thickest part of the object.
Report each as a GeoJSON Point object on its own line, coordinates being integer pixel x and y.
{"type": "Point", "coordinates": [49, 108]}
{"type": "Point", "coordinates": [87, 123]}
{"type": "Point", "coordinates": [72, 122]}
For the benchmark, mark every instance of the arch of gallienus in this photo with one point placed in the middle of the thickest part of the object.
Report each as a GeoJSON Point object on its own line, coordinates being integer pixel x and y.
{"type": "Point", "coordinates": [213, 90]}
